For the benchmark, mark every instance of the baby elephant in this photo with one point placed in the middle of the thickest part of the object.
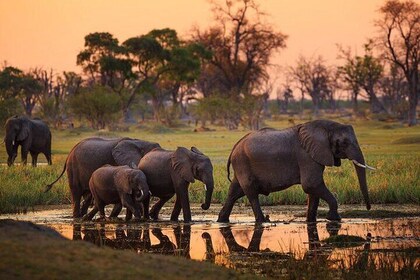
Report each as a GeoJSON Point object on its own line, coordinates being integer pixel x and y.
{"type": "Point", "coordinates": [119, 185]}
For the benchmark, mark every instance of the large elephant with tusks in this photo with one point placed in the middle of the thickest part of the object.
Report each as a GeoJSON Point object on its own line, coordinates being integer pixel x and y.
{"type": "Point", "coordinates": [271, 160]}
{"type": "Point", "coordinates": [92, 153]}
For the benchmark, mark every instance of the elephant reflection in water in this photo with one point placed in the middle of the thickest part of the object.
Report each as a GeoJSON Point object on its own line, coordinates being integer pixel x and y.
{"type": "Point", "coordinates": [138, 239]}
{"type": "Point", "coordinates": [322, 252]}
{"type": "Point", "coordinates": [238, 254]}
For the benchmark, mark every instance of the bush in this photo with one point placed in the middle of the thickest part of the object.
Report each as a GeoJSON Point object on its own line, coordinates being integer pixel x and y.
{"type": "Point", "coordinates": [98, 105]}
{"type": "Point", "coordinates": [8, 108]}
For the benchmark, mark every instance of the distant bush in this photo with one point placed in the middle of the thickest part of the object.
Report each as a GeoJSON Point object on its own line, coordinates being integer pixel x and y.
{"type": "Point", "coordinates": [8, 108]}
{"type": "Point", "coordinates": [98, 105]}
{"type": "Point", "coordinates": [407, 140]}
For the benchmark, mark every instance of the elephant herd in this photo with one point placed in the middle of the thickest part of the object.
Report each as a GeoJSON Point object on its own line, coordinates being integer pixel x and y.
{"type": "Point", "coordinates": [127, 172]}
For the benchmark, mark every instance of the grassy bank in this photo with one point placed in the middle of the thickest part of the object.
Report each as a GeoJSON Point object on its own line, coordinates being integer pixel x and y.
{"type": "Point", "coordinates": [37, 252]}
{"type": "Point", "coordinates": [391, 147]}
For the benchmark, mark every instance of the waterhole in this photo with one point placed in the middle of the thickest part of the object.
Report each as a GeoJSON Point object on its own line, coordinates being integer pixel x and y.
{"type": "Point", "coordinates": [246, 246]}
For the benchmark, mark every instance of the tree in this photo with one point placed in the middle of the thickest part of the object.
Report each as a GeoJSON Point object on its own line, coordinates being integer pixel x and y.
{"type": "Point", "coordinates": [9, 89]}
{"type": "Point", "coordinates": [241, 45]}
{"type": "Point", "coordinates": [363, 72]}
{"type": "Point", "coordinates": [399, 29]}
{"type": "Point", "coordinates": [284, 96]}
{"type": "Point", "coordinates": [96, 105]}
{"type": "Point", "coordinates": [312, 77]}
{"type": "Point", "coordinates": [163, 63]}
{"type": "Point", "coordinates": [395, 92]}
{"type": "Point", "coordinates": [14, 83]}
{"type": "Point", "coordinates": [106, 64]}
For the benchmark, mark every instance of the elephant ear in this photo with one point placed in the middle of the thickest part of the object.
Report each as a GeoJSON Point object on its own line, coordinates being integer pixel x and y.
{"type": "Point", "coordinates": [24, 131]}
{"type": "Point", "coordinates": [121, 178]}
{"type": "Point", "coordinates": [197, 151]}
{"type": "Point", "coordinates": [182, 164]}
{"type": "Point", "coordinates": [314, 139]}
{"type": "Point", "coordinates": [126, 152]}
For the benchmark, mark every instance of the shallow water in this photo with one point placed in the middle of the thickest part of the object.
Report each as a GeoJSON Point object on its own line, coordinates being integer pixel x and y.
{"type": "Point", "coordinates": [245, 246]}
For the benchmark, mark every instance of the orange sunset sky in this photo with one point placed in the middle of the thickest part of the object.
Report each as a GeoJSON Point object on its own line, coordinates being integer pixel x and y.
{"type": "Point", "coordinates": [50, 33]}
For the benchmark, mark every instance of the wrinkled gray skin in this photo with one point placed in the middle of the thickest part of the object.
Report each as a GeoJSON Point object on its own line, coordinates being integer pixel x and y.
{"type": "Point", "coordinates": [33, 135]}
{"type": "Point", "coordinates": [171, 172]}
{"type": "Point", "coordinates": [92, 153]}
{"type": "Point", "coordinates": [119, 185]}
{"type": "Point", "coordinates": [271, 160]}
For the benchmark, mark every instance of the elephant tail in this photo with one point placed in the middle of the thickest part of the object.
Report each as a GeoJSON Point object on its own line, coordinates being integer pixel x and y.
{"type": "Point", "coordinates": [230, 156]}
{"type": "Point", "coordinates": [49, 186]}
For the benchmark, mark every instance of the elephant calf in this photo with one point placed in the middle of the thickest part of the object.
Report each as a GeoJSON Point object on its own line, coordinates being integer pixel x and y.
{"type": "Point", "coordinates": [120, 185]}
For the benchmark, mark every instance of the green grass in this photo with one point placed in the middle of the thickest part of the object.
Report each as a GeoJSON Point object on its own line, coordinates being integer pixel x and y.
{"type": "Point", "coordinates": [396, 180]}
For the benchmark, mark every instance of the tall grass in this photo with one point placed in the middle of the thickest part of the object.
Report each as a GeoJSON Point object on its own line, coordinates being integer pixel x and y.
{"type": "Point", "coordinates": [396, 180]}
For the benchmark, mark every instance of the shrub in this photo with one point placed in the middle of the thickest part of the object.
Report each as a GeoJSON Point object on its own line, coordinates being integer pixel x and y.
{"type": "Point", "coordinates": [98, 105]}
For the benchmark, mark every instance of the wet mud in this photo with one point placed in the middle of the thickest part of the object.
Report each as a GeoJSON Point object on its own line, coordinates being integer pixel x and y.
{"type": "Point", "coordinates": [245, 246]}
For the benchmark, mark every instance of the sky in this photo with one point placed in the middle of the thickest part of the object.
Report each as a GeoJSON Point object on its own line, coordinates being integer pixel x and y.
{"type": "Point", "coordinates": [49, 34]}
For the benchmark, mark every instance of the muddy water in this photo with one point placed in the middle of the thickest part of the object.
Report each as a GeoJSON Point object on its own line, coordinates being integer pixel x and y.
{"type": "Point", "coordinates": [244, 244]}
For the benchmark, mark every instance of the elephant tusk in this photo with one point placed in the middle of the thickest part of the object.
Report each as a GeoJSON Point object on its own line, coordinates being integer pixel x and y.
{"type": "Point", "coordinates": [205, 187]}
{"type": "Point", "coordinates": [13, 142]}
{"type": "Point", "coordinates": [362, 165]}
{"type": "Point", "coordinates": [150, 193]}
{"type": "Point", "coordinates": [141, 191]}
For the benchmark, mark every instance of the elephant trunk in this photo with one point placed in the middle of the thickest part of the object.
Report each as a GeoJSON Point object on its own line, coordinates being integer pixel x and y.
{"type": "Point", "coordinates": [209, 186]}
{"type": "Point", "coordinates": [10, 143]}
{"type": "Point", "coordinates": [360, 166]}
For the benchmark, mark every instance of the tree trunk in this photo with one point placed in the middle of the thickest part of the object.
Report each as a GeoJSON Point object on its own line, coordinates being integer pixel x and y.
{"type": "Point", "coordinates": [375, 105]}
{"type": "Point", "coordinates": [413, 101]}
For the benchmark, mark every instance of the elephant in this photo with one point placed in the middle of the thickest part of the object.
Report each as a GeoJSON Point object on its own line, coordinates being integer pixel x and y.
{"type": "Point", "coordinates": [119, 185]}
{"type": "Point", "coordinates": [270, 160]}
{"type": "Point", "coordinates": [171, 172]}
{"type": "Point", "coordinates": [92, 153]}
{"type": "Point", "coordinates": [33, 135]}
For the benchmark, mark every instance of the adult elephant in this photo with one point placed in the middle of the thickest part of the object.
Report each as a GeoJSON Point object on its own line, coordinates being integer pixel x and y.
{"type": "Point", "coordinates": [271, 160]}
{"type": "Point", "coordinates": [171, 172]}
{"type": "Point", "coordinates": [92, 153]}
{"type": "Point", "coordinates": [33, 135]}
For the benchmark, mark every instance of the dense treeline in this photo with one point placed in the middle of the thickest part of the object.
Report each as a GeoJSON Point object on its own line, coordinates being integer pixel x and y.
{"type": "Point", "coordinates": [222, 75]}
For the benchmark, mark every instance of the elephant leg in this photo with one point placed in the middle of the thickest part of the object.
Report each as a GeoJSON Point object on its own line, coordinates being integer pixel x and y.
{"type": "Point", "coordinates": [48, 157]}
{"type": "Point", "coordinates": [154, 212]}
{"type": "Point", "coordinates": [146, 209]}
{"type": "Point", "coordinates": [116, 210]}
{"type": "Point", "coordinates": [76, 197]}
{"type": "Point", "coordinates": [322, 192]}
{"type": "Point", "coordinates": [128, 202]}
{"type": "Point", "coordinates": [235, 192]}
{"type": "Point", "coordinates": [256, 207]}
{"type": "Point", "coordinates": [34, 159]}
{"type": "Point", "coordinates": [87, 200]}
{"type": "Point", "coordinates": [313, 202]}
{"type": "Point", "coordinates": [182, 195]}
{"type": "Point", "coordinates": [91, 214]}
{"type": "Point", "coordinates": [101, 208]}
{"type": "Point", "coordinates": [128, 215]}
{"type": "Point", "coordinates": [24, 156]}
{"type": "Point", "coordinates": [177, 210]}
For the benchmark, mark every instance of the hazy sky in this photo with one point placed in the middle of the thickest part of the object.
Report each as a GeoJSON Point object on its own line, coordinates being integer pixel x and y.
{"type": "Point", "coordinates": [50, 33]}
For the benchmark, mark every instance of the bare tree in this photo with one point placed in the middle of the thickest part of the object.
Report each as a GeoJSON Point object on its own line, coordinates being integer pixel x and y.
{"type": "Point", "coordinates": [312, 77]}
{"type": "Point", "coordinates": [399, 29]}
{"type": "Point", "coordinates": [242, 45]}
{"type": "Point", "coordinates": [362, 72]}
